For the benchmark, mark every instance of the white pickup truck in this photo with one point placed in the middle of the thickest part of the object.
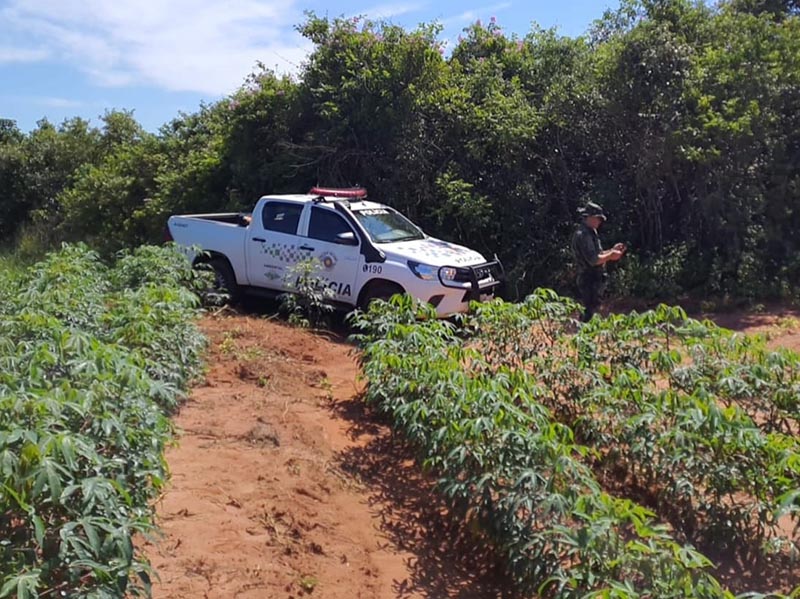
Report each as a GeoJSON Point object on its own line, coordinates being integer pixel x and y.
{"type": "Point", "coordinates": [365, 250]}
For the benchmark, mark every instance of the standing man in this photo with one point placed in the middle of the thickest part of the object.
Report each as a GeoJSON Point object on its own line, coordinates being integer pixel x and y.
{"type": "Point", "coordinates": [591, 259]}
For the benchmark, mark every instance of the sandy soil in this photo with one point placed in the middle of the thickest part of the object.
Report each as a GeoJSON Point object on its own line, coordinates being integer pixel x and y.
{"type": "Point", "coordinates": [284, 485]}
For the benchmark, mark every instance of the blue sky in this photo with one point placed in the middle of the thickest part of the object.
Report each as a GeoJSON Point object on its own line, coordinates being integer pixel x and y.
{"type": "Point", "coordinates": [63, 58]}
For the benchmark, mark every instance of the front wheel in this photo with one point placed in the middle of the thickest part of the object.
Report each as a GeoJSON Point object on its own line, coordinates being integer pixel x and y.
{"type": "Point", "coordinates": [380, 290]}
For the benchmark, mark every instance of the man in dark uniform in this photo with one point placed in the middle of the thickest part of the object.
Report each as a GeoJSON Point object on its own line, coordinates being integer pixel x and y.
{"type": "Point", "coordinates": [591, 258]}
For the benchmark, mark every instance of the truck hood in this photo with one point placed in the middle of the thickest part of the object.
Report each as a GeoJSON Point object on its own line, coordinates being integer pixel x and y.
{"type": "Point", "coordinates": [432, 251]}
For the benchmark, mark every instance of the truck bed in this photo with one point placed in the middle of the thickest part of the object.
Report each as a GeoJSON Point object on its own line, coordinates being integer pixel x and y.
{"type": "Point", "coordinates": [231, 218]}
{"type": "Point", "coordinates": [222, 233]}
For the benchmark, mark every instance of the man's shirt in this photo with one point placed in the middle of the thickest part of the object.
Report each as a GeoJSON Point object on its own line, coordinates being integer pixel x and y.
{"type": "Point", "coordinates": [586, 248]}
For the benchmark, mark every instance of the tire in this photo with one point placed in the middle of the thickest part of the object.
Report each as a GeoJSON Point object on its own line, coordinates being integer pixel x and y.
{"type": "Point", "coordinates": [224, 280]}
{"type": "Point", "coordinates": [379, 290]}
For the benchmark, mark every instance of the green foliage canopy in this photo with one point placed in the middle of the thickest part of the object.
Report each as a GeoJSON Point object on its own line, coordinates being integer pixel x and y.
{"type": "Point", "coordinates": [679, 117]}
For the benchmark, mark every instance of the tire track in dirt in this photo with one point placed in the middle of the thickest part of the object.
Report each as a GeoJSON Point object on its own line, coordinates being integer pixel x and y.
{"type": "Point", "coordinates": [284, 485]}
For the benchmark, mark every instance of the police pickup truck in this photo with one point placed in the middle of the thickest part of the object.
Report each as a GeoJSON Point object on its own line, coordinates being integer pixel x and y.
{"type": "Point", "coordinates": [365, 251]}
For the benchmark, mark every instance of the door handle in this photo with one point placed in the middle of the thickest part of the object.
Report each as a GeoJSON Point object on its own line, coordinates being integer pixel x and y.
{"type": "Point", "coordinates": [259, 239]}
{"type": "Point", "coordinates": [306, 248]}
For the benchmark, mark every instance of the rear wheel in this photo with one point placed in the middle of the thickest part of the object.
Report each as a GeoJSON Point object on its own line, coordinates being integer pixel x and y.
{"type": "Point", "coordinates": [224, 288]}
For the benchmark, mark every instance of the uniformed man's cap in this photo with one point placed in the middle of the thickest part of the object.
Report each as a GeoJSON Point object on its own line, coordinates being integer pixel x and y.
{"type": "Point", "coordinates": [592, 209]}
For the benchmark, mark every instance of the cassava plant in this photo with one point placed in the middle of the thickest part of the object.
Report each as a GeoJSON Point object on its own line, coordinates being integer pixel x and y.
{"type": "Point", "coordinates": [92, 359]}
{"type": "Point", "coordinates": [595, 459]}
{"type": "Point", "coordinates": [308, 304]}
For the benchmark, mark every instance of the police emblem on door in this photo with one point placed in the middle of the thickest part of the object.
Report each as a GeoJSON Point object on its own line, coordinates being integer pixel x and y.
{"type": "Point", "coordinates": [328, 260]}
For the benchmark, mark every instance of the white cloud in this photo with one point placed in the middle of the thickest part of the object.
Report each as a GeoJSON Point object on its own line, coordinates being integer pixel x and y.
{"type": "Point", "coordinates": [205, 46]}
{"type": "Point", "coordinates": [386, 11]}
{"type": "Point", "coordinates": [51, 101]}
{"type": "Point", "coordinates": [54, 102]}
{"type": "Point", "coordinates": [472, 15]}
{"type": "Point", "coordinates": [11, 54]}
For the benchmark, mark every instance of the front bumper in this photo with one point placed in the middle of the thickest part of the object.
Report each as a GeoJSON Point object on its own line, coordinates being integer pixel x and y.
{"type": "Point", "coordinates": [474, 283]}
{"type": "Point", "coordinates": [484, 280]}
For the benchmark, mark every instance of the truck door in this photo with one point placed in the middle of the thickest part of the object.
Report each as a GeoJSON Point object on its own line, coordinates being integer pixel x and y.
{"type": "Point", "coordinates": [336, 245]}
{"type": "Point", "coordinates": [274, 246]}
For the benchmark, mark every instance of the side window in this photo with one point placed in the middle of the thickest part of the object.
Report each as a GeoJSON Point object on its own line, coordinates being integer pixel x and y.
{"type": "Point", "coordinates": [325, 225]}
{"type": "Point", "coordinates": [282, 217]}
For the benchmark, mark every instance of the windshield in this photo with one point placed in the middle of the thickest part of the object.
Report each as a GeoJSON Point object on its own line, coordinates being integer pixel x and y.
{"type": "Point", "coordinates": [385, 225]}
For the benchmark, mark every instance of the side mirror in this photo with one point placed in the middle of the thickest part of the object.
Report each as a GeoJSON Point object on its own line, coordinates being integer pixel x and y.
{"type": "Point", "coordinates": [347, 238]}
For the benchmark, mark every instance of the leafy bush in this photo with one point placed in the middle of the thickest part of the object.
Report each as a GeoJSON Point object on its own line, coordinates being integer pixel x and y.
{"type": "Point", "coordinates": [564, 445]}
{"type": "Point", "coordinates": [660, 276]}
{"type": "Point", "coordinates": [308, 305]}
{"type": "Point", "coordinates": [91, 360]}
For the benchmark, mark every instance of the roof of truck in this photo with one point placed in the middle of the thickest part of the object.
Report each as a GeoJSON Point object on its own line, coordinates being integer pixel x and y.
{"type": "Point", "coordinates": [304, 198]}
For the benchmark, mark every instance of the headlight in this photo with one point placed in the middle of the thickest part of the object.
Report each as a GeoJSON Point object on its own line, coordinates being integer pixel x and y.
{"type": "Point", "coordinates": [448, 273]}
{"type": "Point", "coordinates": [423, 271]}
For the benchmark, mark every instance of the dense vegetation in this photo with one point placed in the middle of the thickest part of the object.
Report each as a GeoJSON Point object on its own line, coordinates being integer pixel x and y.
{"type": "Point", "coordinates": [683, 119]}
{"type": "Point", "coordinates": [619, 459]}
{"type": "Point", "coordinates": [92, 360]}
